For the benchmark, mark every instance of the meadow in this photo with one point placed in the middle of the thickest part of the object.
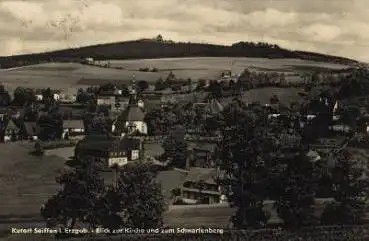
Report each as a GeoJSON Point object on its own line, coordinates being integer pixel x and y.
{"type": "Point", "coordinates": [69, 76]}
{"type": "Point", "coordinates": [26, 181]}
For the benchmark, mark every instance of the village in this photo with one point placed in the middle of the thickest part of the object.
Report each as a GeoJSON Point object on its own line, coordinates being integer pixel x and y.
{"type": "Point", "coordinates": [181, 132]}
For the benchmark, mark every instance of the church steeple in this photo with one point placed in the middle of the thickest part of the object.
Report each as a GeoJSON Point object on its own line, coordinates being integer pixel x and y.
{"type": "Point", "coordinates": [133, 93]}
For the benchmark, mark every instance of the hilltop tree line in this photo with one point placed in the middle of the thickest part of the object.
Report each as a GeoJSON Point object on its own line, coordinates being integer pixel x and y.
{"type": "Point", "coordinates": [143, 49]}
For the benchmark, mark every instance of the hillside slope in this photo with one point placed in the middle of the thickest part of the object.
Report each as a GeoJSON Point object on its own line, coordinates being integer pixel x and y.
{"type": "Point", "coordinates": [147, 49]}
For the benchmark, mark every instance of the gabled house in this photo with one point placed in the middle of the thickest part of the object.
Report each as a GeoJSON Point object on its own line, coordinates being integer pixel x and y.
{"type": "Point", "coordinates": [213, 107]}
{"type": "Point", "coordinates": [38, 95]}
{"type": "Point", "coordinates": [68, 98]}
{"type": "Point", "coordinates": [73, 129]}
{"type": "Point", "coordinates": [210, 108]}
{"type": "Point", "coordinates": [11, 131]}
{"type": "Point", "coordinates": [201, 187]}
{"type": "Point", "coordinates": [313, 156]}
{"type": "Point", "coordinates": [201, 155]}
{"type": "Point", "coordinates": [106, 98]}
{"type": "Point", "coordinates": [108, 150]}
{"type": "Point", "coordinates": [31, 130]}
{"type": "Point", "coordinates": [363, 124]}
{"type": "Point", "coordinates": [121, 103]}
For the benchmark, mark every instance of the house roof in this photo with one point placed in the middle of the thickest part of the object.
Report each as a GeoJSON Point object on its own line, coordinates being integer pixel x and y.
{"type": "Point", "coordinates": [107, 143]}
{"type": "Point", "coordinates": [214, 106]}
{"type": "Point", "coordinates": [202, 146]}
{"type": "Point", "coordinates": [31, 128]}
{"type": "Point", "coordinates": [206, 175]}
{"type": "Point", "coordinates": [73, 124]}
{"type": "Point", "coordinates": [11, 125]}
{"type": "Point", "coordinates": [313, 156]}
{"type": "Point", "coordinates": [132, 113]}
{"type": "Point", "coordinates": [110, 93]}
{"type": "Point", "coordinates": [153, 149]}
{"type": "Point", "coordinates": [170, 180]}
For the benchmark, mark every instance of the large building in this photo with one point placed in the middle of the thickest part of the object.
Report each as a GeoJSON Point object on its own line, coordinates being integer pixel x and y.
{"type": "Point", "coordinates": [108, 150]}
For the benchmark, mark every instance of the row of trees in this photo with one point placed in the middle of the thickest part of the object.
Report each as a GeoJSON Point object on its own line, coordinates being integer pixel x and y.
{"type": "Point", "coordinates": [25, 97]}
{"type": "Point", "coordinates": [259, 167]}
{"type": "Point", "coordinates": [133, 200]}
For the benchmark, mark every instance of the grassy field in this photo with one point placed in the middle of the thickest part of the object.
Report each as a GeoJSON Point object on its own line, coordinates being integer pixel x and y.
{"type": "Point", "coordinates": [26, 182]}
{"type": "Point", "coordinates": [68, 76]}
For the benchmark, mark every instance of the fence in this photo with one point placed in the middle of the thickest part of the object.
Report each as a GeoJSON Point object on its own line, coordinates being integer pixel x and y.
{"type": "Point", "coordinates": [58, 144]}
{"type": "Point", "coordinates": [195, 138]}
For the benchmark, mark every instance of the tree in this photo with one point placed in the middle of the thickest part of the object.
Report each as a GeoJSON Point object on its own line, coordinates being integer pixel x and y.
{"type": "Point", "coordinates": [38, 150]}
{"type": "Point", "coordinates": [350, 191]}
{"type": "Point", "coordinates": [175, 149]}
{"type": "Point", "coordinates": [295, 189]}
{"type": "Point", "coordinates": [97, 125]}
{"type": "Point", "coordinates": [82, 96]}
{"type": "Point", "coordinates": [274, 100]}
{"type": "Point", "coordinates": [106, 87]}
{"type": "Point", "coordinates": [5, 97]}
{"type": "Point", "coordinates": [142, 85]}
{"type": "Point", "coordinates": [243, 154]}
{"type": "Point", "coordinates": [142, 203]}
{"type": "Point", "coordinates": [51, 126]}
{"type": "Point", "coordinates": [215, 89]}
{"type": "Point", "coordinates": [47, 97]}
{"type": "Point", "coordinates": [171, 78]}
{"type": "Point", "coordinates": [23, 97]}
{"type": "Point", "coordinates": [200, 84]}
{"type": "Point", "coordinates": [160, 84]}
{"type": "Point", "coordinates": [79, 198]}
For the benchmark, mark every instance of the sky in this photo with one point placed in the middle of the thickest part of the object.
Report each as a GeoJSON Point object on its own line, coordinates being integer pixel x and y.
{"type": "Point", "coordinates": [337, 27]}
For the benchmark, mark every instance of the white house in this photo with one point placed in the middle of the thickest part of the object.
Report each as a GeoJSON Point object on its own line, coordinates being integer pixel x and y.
{"type": "Point", "coordinates": [56, 96]}
{"type": "Point", "coordinates": [73, 129]}
{"type": "Point", "coordinates": [68, 98]}
{"type": "Point", "coordinates": [39, 97]}
{"type": "Point", "coordinates": [89, 60]}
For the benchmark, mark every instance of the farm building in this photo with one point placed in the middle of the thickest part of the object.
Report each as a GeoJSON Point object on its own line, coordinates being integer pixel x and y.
{"type": "Point", "coordinates": [109, 150]}
{"type": "Point", "coordinates": [200, 186]}
{"type": "Point", "coordinates": [73, 129]}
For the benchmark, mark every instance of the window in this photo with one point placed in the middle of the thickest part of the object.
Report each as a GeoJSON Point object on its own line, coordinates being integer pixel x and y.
{"type": "Point", "coordinates": [135, 155]}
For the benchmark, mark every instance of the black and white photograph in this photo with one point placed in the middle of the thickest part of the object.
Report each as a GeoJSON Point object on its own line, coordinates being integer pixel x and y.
{"type": "Point", "coordinates": [124, 120]}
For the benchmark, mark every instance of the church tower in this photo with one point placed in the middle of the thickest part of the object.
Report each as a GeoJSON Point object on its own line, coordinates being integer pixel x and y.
{"type": "Point", "coordinates": [135, 100]}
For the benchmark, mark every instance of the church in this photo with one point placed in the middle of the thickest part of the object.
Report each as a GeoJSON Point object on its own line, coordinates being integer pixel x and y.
{"type": "Point", "coordinates": [131, 119]}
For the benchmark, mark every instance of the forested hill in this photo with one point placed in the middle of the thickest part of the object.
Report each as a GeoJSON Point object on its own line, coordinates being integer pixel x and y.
{"type": "Point", "coordinates": [146, 49]}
